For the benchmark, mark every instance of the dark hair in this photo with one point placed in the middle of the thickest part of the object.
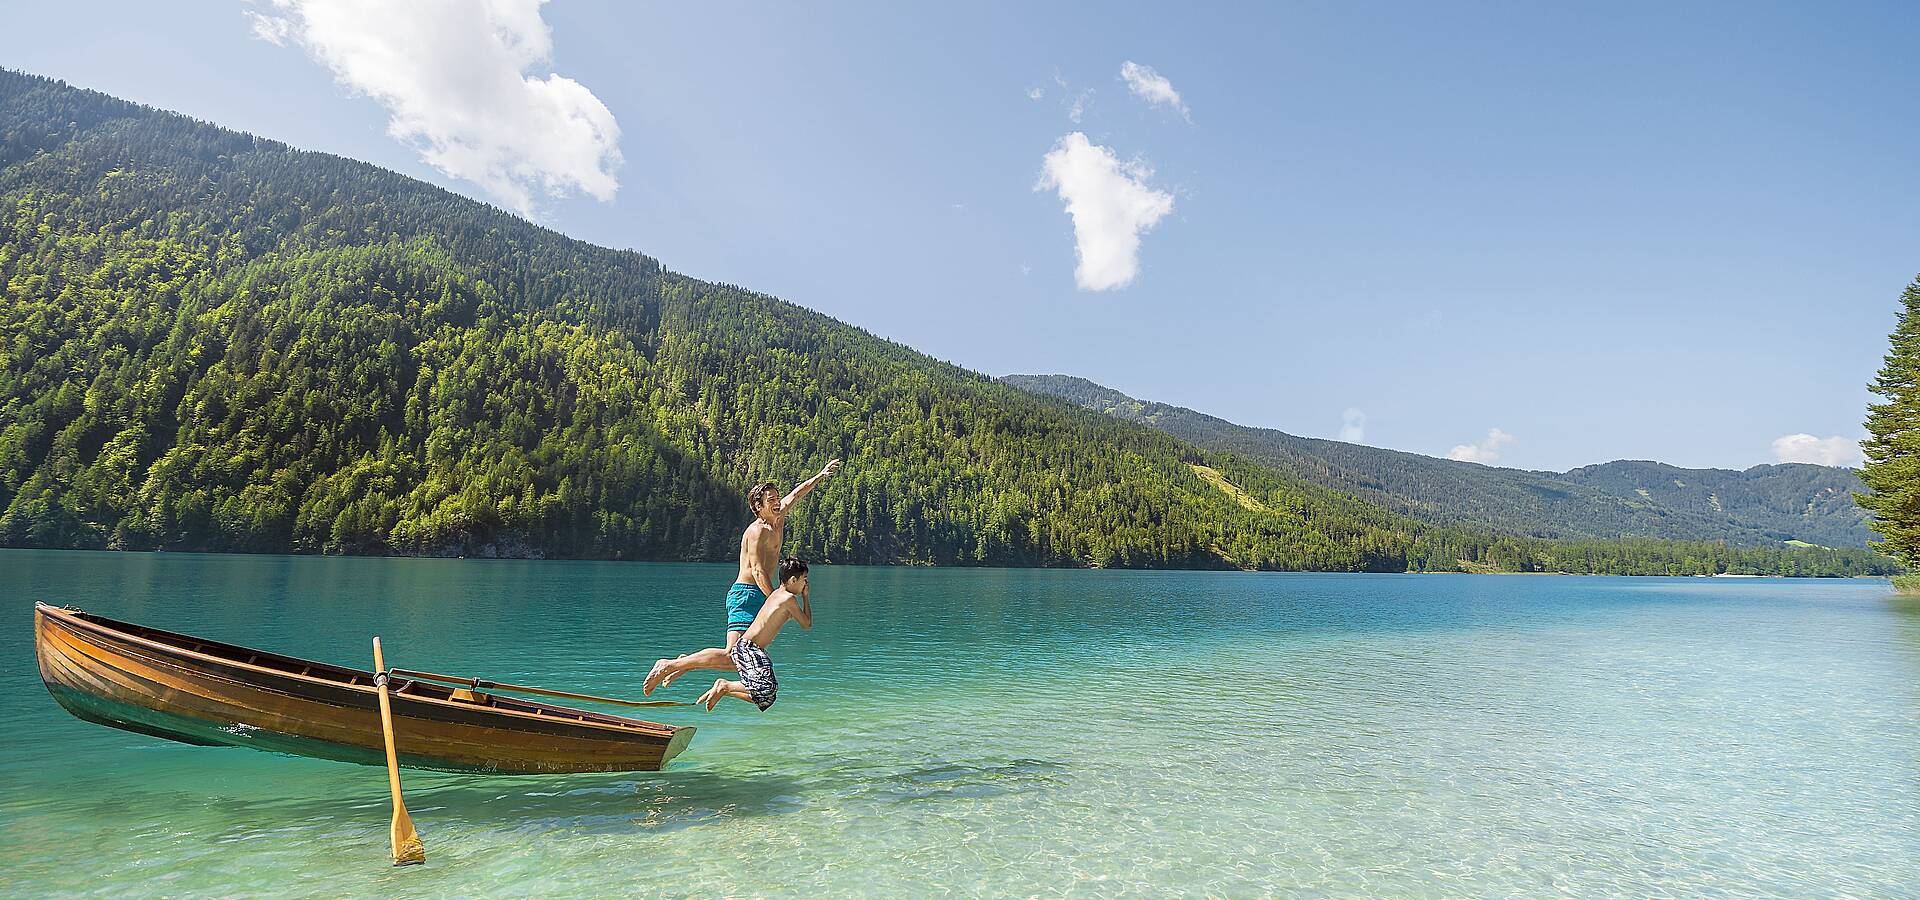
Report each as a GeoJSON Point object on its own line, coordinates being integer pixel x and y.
{"type": "Point", "coordinates": [758, 496]}
{"type": "Point", "coordinates": [792, 567]}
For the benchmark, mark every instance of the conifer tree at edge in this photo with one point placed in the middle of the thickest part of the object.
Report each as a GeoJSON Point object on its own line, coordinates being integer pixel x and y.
{"type": "Point", "coordinates": [1892, 469]}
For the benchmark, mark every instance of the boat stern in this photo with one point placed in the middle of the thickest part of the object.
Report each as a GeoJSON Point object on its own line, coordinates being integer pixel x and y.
{"type": "Point", "coordinates": [682, 735]}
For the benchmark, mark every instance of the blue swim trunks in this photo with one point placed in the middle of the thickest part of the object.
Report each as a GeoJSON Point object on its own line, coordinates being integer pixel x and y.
{"type": "Point", "coordinates": [743, 603]}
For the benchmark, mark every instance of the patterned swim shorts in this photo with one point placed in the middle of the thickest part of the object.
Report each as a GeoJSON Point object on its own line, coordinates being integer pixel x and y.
{"type": "Point", "coordinates": [756, 672]}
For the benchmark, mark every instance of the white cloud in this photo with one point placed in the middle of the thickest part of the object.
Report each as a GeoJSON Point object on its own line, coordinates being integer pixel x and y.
{"type": "Point", "coordinates": [1035, 93]}
{"type": "Point", "coordinates": [1078, 110]}
{"type": "Point", "coordinates": [1485, 450]}
{"type": "Point", "coordinates": [1153, 87]}
{"type": "Point", "coordinates": [1111, 206]}
{"type": "Point", "coordinates": [1805, 448]}
{"type": "Point", "coordinates": [1353, 425]}
{"type": "Point", "coordinates": [459, 82]}
{"type": "Point", "coordinates": [272, 29]}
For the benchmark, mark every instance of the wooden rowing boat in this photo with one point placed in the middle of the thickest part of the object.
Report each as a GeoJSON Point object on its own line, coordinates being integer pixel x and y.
{"type": "Point", "coordinates": [204, 692]}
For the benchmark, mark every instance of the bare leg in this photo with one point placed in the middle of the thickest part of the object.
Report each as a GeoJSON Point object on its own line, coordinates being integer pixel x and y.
{"type": "Point", "coordinates": [666, 671]}
{"type": "Point", "coordinates": [710, 658]}
{"type": "Point", "coordinates": [721, 689]}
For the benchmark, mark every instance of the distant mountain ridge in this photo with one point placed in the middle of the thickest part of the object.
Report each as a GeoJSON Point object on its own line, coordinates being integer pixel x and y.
{"type": "Point", "coordinates": [1625, 498]}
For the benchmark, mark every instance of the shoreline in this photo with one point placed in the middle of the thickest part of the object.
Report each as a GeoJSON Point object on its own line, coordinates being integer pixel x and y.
{"type": "Point", "coordinates": [1912, 588]}
{"type": "Point", "coordinates": [1620, 575]}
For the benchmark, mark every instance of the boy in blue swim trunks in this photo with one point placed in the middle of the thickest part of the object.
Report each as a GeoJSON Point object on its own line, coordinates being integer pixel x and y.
{"type": "Point", "coordinates": [759, 551]}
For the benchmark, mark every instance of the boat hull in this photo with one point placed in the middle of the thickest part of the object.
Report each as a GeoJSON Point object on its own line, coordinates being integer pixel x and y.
{"type": "Point", "coordinates": [200, 692]}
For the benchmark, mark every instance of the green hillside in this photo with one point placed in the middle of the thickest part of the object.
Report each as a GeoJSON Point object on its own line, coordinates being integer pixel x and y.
{"type": "Point", "coordinates": [214, 341]}
{"type": "Point", "coordinates": [1761, 506]}
{"type": "Point", "coordinates": [1790, 501]}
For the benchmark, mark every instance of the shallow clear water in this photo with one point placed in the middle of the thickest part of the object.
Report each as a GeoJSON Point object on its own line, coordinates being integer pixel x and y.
{"type": "Point", "coordinates": [1025, 732]}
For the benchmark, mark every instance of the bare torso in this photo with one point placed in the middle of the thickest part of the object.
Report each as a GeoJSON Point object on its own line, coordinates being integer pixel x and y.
{"type": "Point", "coordinates": [759, 555]}
{"type": "Point", "coordinates": [782, 607]}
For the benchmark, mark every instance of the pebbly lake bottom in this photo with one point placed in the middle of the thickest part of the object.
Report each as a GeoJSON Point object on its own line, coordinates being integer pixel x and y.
{"type": "Point", "coordinates": [986, 732]}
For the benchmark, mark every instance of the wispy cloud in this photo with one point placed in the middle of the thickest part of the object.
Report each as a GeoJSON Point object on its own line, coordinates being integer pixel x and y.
{"type": "Point", "coordinates": [1111, 207]}
{"type": "Point", "coordinates": [1077, 110]}
{"type": "Point", "coordinates": [1153, 87]}
{"type": "Point", "coordinates": [1353, 425]}
{"type": "Point", "coordinates": [272, 29]}
{"type": "Point", "coordinates": [1076, 102]}
{"type": "Point", "coordinates": [461, 84]}
{"type": "Point", "coordinates": [1805, 448]}
{"type": "Point", "coordinates": [1486, 450]}
{"type": "Point", "coordinates": [1036, 93]}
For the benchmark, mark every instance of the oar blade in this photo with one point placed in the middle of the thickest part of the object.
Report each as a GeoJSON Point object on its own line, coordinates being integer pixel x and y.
{"type": "Point", "coordinates": [407, 849]}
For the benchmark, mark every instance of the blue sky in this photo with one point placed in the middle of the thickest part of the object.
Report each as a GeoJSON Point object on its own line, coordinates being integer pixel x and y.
{"type": "Point", "coordinates": [1643, 231]}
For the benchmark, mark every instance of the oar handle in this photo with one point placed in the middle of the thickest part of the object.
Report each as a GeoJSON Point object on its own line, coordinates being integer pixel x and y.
{"type": "Point", "coordinates": [484, 684]}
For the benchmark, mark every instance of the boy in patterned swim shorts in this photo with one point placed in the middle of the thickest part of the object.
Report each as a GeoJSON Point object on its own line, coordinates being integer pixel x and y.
{"type": "Point", "coordinates": [757, 685]}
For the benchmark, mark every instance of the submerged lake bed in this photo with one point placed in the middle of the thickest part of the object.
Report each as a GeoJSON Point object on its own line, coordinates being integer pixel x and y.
{"type": "Point", "coordinates": [990, 731]}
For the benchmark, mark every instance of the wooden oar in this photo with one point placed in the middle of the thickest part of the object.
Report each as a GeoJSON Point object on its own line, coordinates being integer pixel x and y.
{"type": "Point", "coordinates": [407, 849]}
{"type": "Point", "coordinates": [483, 684]}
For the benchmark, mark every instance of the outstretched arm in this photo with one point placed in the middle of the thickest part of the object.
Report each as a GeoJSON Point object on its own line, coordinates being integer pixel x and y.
{"type": "Point", "coordinates": [803, 487]}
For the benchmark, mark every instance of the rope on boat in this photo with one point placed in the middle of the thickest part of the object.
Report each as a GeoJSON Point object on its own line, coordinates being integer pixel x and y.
{"type": "Point", "coordinates": [482, 683]}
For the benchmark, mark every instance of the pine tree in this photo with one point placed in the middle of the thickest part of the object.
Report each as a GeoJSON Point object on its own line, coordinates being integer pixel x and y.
{"type": "Point", "coordinates": [1892, 470]}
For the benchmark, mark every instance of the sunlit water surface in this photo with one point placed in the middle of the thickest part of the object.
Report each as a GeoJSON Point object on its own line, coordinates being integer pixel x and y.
{"type": "Point", "coordinates": [1024, 732]}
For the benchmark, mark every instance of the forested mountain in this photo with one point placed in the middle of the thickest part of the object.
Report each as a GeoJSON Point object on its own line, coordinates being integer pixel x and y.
{"type": "Point", "coordinates": [1789, 501]}
{"type": "Point", "coordinates": [214, 341]}
{"type": "Point", "coordinates": [1762, 505]}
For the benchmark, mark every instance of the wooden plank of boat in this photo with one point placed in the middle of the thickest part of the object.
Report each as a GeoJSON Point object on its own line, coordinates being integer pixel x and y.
{"type": "Point", "coordinates": [204, 692]}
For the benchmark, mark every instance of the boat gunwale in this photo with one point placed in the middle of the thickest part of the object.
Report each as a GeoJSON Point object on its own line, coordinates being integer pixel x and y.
{"type": "Point", "coordinates": [73, 619]}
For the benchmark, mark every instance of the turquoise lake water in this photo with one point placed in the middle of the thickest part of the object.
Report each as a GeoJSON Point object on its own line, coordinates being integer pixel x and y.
{"type": "Point", "coordinates": [1024, 732]}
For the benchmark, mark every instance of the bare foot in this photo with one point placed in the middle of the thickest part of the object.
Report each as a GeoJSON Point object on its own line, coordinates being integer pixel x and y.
{"type": "Point", "coordinates": [653, 678]}
{"type": "Point", "coordinates": [713, 694]}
